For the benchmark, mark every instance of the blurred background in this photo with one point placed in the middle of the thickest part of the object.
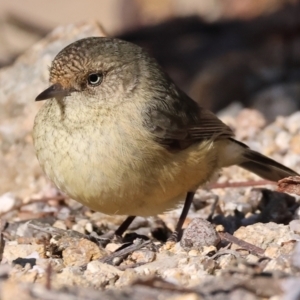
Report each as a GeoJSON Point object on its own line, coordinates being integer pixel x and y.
{"type": "Point", "coordinates": [226, 54]}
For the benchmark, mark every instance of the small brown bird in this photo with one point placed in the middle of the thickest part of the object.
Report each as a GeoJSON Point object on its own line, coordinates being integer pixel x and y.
{"type": "Point", "coordinates": [120, 137]}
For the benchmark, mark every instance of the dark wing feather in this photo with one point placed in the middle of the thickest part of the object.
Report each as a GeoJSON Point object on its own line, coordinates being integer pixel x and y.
{"type": "Point", "coordinates": [177, 121]}
{"type": "Point", "coordinates": [209, 126]}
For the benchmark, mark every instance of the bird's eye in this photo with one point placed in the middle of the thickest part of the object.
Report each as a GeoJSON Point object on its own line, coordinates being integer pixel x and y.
{"type": "Point", "coordinates": [94, 79]}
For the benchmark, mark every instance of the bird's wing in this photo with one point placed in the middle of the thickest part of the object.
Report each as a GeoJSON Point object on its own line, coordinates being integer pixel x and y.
{"type": "Point", "coordinates": [177, 121]}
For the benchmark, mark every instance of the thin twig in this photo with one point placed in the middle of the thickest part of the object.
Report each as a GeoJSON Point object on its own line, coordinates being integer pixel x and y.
{"type": "Point", "coordinates": [161, 284]}
{"type": "Point", "coordinates": [225, 252]}
{"type": "Point", "coordinates": [2, 241]}
{"type": "Point", "coordinates": [240, 184]}
{"type": "Point", "coordinates": [138, 244]}
{"type": "Point", "coordinates": [243, 244]}
{"type": "Point", "coordinates": [48, 277]}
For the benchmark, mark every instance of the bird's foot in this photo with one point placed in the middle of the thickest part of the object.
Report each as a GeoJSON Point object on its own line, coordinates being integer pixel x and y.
{"type": "Point", "coordinates": [174, 237]}
{"type": "Point", "coordinates": [104, 239]}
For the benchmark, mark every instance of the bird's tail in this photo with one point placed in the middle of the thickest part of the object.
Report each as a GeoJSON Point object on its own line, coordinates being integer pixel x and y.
{"type": "Point", "coordinates": [263, 166]}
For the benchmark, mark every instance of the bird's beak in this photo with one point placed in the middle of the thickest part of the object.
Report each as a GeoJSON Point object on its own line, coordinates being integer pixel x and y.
{"type": "Point", "coordinates": [55, 90]}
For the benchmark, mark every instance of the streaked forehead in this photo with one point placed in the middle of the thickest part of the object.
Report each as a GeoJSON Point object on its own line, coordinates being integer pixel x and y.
{"type": "Point", "coordinates": [82, 54]}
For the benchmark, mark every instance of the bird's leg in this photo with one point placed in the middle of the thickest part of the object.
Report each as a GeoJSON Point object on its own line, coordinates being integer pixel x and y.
{"type": "Point", "coordinates": [123, 227]}
{"type": "Point", "coordinates": [187, 204]}
{"type": "Point", "coordinates": [110, 236]}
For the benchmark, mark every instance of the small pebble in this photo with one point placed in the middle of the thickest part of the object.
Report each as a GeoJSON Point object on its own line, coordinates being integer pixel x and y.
{"type": "Point", "coordinates": [7, 202]}
{"type": "Point", "coordinates": [193, 253]}
{"type": "Point", "coordinates": [292, 123]}
{"type": "Point", "coordinates": [79, 228]}
{"type": "Point", "coordinates": [112, 247]}
{"type": "Point", "coordinates": [89, 227]}
{"type": "Point", "coordinates": [295, 144]}
{"type": "Point", "coordinates": [82, 252]}
{"type": "Point", "coordinates": [295, 226]}
{"type": "Point", "coordinates": [296, 256]}
{"type": "Point", "coordinates": [142, 256]}
{"type": "Point", "coordinates": [60, 224]}
{"type": "Point", "coordinates": [199, 233]}
{"type": "Point", "coordinates": [282, 140]}
{"type": "Point", "coordinates": [252, 259]}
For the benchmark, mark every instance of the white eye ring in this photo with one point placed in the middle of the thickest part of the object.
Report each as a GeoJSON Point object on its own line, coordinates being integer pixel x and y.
{"type": "Point", "coordinates": [94, 79]}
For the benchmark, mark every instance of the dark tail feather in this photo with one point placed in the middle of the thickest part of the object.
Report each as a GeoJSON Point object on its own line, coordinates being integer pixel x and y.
{"type": "Point", "coordinates": [265, 167]}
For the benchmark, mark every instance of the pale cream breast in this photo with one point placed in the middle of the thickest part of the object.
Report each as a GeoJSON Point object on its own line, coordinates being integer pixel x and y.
{"type": "Point", "coordinates": [117, 170]}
